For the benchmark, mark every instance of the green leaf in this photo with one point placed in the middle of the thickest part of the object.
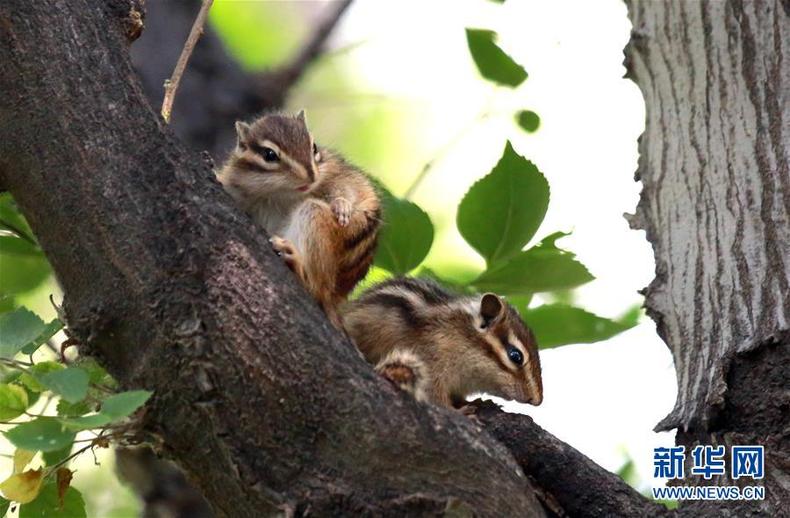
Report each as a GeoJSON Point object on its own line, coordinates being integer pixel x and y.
{"type": "Point", "coordinates": [17, 329]}
{"type": "Point", "coordinates": [46, 505]}
{"type": "Point", "coordinates": [66, 409]}
{"type": "Point", "coordinates": [23, 264]}
{"type": "Point", "coordinates": [123, 404]}
{"type": "Point", "coordinates": [492, 62]}
{"type": "Point", "coordinates": [533, 271]}
{"type": "Point", "coordinates": [30, 379]}
{"type": "Point", "coordinates": [502, 211]}
{"type": "Point", "coordinates": [13, 377]}
{"type": "Point", "coordinates": [48, 332]}
{"type": "Point", "coordinates": [86, 422]}
{"type": "Point", "coordinates": [40, 434]}
{"type": "Point", "coordinates": [23, 330]}
{"type": "Point", "coordinates": [528, 120]}
{"type": "Point", "coordinates": [52, 458]}
{"type": "Point", "coordinates": [7, 303]}
{"type": "Point", "coordinates": [70, 383]}
{"type": "Point", "coordinates": [13, 401]}
{"type": "Point", "coordinates": [406, 236]}
{"type": "Point", "coordinates": [96, 372]}
{"type": "Point", "coordinates": [11, 218]}
{"type": "Point", "coordinates": [559, 324]}
{"type": "Point", "coordinates": [4, 506]}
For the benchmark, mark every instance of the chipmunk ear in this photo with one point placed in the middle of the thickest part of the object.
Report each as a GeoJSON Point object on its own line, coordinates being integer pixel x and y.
{"type": "Point", "coordinates": [491, 308]}
{"type": "Point", "coordinates": [301, 116]}
{"type": "Point", "coordinates": [242, 133]}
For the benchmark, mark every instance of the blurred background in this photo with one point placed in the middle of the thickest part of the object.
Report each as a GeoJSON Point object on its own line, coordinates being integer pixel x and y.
{"type": "Point", "coordinates": [397, 92]}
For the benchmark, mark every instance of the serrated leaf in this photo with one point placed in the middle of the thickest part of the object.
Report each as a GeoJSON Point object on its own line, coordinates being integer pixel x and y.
{"type": "Point", "coordinates": [30, 379]}
{"type": "Point", "coordinates": [533, 271]}
{"type": "Point", "coordinates": [70, 383]}
{"type": "Point", "coordinates": [50, 329]}
{"type": "Point", "coordinates": [23, 264]}
{"type": "Point", "coordinates": [22, 458]}
{"type": "Point", "coordinates": [17, 329]}
{"type": "Point", "coordinates": [405, 238]}
{"type": "Point", "coordinates": [560, 324]}
{"type": "Point", "coordinates": [502, 211]}
{"type": "Point", "coordinates": [40, 434]}
{"type": "Point", "coordinates": [124, 404]}
{"type": "Point", "coordinates": [528, 120]}
{"type": "Point", "coordinates": [13, 401]}
{"type": "Point", "coordinates": [47, 504]}
{"type": "Point", "coordinates": [51, 458]}
{"type": "Point", "coordinates": [66, 409]}
{"type": "Point", "coordinates": [492, 62]}
{"type": "Point", "coordinates": [87, 422]}
{"type": "Point", "coordinates": [96, 372]}
{"type": "Point", "coordinates": [23, 487]}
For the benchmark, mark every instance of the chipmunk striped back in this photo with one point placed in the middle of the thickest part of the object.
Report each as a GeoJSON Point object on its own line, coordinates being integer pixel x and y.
{"type": "Point", "coordinates": [468, 344]}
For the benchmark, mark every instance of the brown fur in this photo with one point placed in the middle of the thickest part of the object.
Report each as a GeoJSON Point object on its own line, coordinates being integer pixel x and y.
{"type": "Point", "coordinates": [445, 331]}
{"type": "Point", "coordinates": [326, 233]}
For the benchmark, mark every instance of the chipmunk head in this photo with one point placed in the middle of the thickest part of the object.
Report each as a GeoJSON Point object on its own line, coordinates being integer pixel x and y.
{"type": "Point", "coordinates": [274, 154]}
{"type": "Point", "coordinates": [510, 366]}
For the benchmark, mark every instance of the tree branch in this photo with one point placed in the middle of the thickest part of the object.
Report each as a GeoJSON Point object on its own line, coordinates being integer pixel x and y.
{"type": "Point", "coordinates": [171, 85]}
{"type": "Point", "coordinates": [576, 483]}
{"type": "Point", "coordinates": [280, 81]}
{"type": "Point", "coordinates": [264, 405]}
{"type": "Point", "coordinates": [206, 109]}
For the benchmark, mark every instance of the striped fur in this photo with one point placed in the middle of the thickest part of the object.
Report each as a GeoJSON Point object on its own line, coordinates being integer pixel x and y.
{"type": "Point", "coordinates": [323, 213]}
{"type": "Point", "coordinates": [462, 342]}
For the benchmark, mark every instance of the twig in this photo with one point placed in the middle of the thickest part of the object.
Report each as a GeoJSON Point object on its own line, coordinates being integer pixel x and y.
{"type": "Point", "coordinates": [446, 148]}
{"type": "Point", "coordinates": [171, 85]}
{"type": "Point", "coordinates": [289, 74]}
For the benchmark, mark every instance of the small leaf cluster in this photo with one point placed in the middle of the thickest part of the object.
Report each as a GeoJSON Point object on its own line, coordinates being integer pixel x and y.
{"type": "Point", "coordinates": [46, 401]}
{"type": "Point", "coordinates": [499, 217]}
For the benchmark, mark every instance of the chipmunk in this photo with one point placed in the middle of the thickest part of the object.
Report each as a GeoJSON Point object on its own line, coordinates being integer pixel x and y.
{"type": "Point", "coordinates": [322, 213]}
{"type": "Point", "coordinates": [442, 347]}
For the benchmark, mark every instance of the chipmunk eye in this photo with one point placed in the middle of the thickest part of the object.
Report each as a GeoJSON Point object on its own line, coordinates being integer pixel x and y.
{"type": "Point", "coordinates": [316, 153]}
{"type": "Point", "coordinates": [269, 154]}
{"type": "Point", "coordinates": [515, 355]}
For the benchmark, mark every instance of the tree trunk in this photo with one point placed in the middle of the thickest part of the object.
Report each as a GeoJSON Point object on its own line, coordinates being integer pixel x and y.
{"type": "Point", "coordinates": [267, 408]}
{"type": "Point", "coordinates": [716, 207]}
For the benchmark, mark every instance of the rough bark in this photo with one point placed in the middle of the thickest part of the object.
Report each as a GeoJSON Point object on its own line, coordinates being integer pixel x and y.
{"type": "Point", "coordinates": [570, 483]}
{"type": "Point", "coordinates": [266, 407]}
{"type": "Point", "coordinates": [716, 207]}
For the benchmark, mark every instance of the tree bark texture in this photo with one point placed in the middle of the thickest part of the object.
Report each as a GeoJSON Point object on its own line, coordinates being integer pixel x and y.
{"type": "Point", "coordinates": [716, 207]}
{"type": "Point", "coordinates": [267, 408]}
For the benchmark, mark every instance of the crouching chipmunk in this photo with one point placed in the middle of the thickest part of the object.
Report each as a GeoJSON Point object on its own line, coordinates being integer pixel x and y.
{"type": "Point", "coordinates": [443, 347]}
{"type": "Point", "coordinates": [322, 213]}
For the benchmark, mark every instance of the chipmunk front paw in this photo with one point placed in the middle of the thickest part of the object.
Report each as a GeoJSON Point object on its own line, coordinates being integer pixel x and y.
{"type": "Point", "coordinates": [341, 208]}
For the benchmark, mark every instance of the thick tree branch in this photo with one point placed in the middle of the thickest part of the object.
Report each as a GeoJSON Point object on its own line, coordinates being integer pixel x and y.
{"type": "Point", "coordinates": [265, 406]}
{"type": "Point", "coordinates": [578, 485]}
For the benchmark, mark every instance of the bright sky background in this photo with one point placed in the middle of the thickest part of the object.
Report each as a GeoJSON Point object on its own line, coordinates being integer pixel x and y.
{"type": "Point", "coordinates": [603, 398]}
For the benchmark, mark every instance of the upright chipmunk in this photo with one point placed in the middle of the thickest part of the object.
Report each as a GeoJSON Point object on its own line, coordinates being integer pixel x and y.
{"type": "Point", "coordinates": [323, 213]}
{"type": "Point", "coordinates": [443, 347]}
